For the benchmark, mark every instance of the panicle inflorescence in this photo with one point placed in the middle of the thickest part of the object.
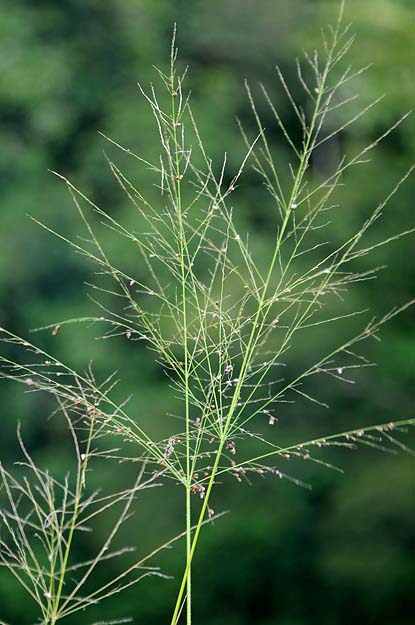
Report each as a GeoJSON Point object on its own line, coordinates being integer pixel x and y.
{"type": "Point", "coordinates": [222, 323]}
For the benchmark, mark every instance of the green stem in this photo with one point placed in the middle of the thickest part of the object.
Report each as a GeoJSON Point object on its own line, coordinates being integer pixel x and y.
{"type": "Point", "coordinates": [251, 345]}
{"type": "Point", "coordinates": [193, 543]}
{"type": "Point", "coordinates": [307, 149]}
{"type": "Point", "coordinates": [188, 556]}
{"type": "Point", "coordinates": [183, 255]}
{"type": "Point", "coordinates": [54, 616]}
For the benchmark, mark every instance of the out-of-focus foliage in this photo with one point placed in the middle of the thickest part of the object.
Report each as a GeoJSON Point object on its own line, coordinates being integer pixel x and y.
{"type": "Point", "coordinates": [343, 553]}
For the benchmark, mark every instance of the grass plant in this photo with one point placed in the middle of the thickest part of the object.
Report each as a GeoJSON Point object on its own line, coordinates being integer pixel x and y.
{"type": "Point", "coordinates": [223, 323]}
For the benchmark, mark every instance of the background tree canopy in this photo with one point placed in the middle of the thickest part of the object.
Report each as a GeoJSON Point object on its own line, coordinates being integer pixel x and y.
{"type": "Point", "coordinates": [343, 552]}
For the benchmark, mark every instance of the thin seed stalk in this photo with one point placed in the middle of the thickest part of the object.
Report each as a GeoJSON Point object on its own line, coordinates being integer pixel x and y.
{"type": "Point", "coordinates": [196, 534]}
{"type": "Point", "coordinates": [191, 545]}
{"type": "Point", "coordinates": [182, 248]}
{"type": "Point", "coordinates": [80, 483]}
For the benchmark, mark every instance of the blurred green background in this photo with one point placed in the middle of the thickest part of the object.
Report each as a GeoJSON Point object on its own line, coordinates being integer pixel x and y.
{"type": "Point", "coordinates": [342, 553]}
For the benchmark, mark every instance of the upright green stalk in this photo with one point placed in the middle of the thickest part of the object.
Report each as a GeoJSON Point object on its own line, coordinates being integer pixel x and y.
{"type": "Point", "coordinates": [54, 615]}
{"type": "Point", "coordinates": [254, 334]}
{"type": "Point", "coordinates": [177, 176]}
